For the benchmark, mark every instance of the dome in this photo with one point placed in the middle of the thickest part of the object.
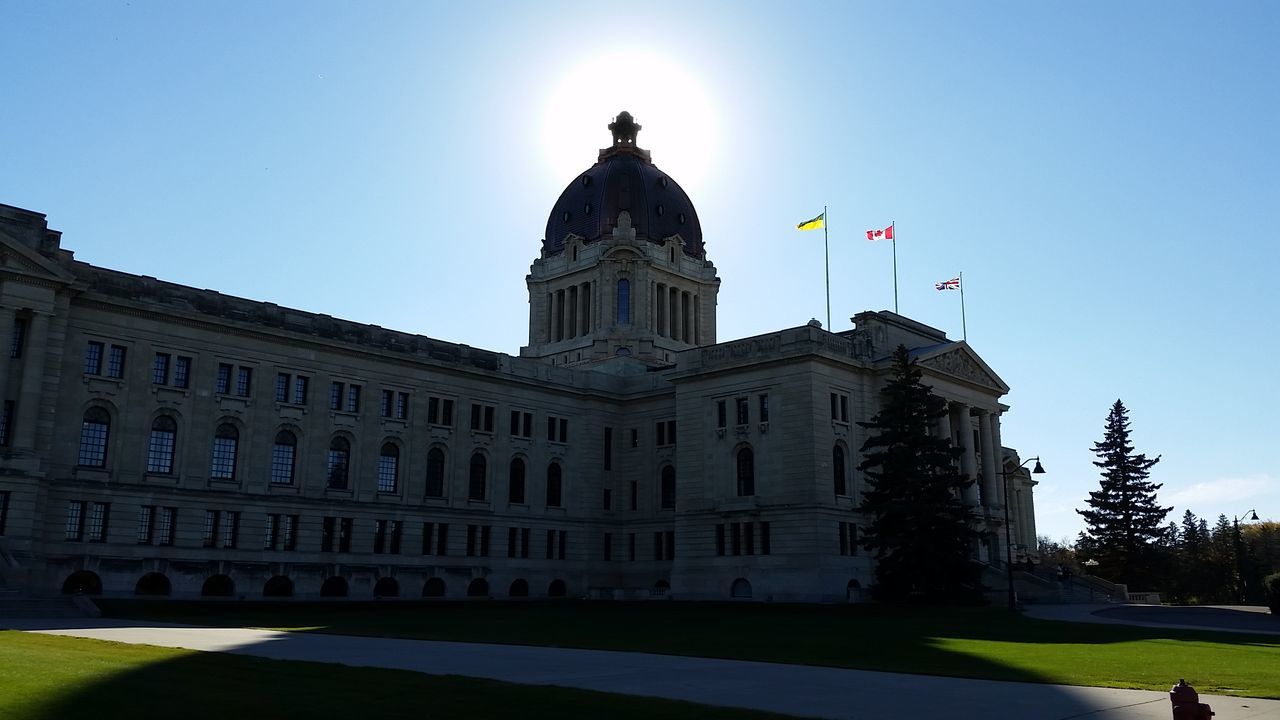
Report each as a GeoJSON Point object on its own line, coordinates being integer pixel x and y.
{"type": "Point", "coordinates": [624, 178]}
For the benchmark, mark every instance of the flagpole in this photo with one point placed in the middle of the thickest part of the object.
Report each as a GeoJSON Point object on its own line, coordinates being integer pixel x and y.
{"type": "Point", "coordinates": [894, 240]}
{"type": "Point", "coordinates": [826, 254]}
{"type": "Point", "coordinates": [964, 327]}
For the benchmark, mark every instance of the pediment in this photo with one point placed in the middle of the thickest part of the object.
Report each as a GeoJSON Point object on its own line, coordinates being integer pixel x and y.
{"type": "Point", "coordinates": [18, 259]}
{"type": "Point", "coordinates": [958, 360]}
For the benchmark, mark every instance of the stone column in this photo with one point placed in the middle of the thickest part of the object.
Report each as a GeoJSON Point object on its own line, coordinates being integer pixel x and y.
{"type": "Point", "coordinates": [7, 321]}
{"type": "Point", "coordinates": [944, 426]}
{"type": "Point", "coordinates": [673, 302]}
{"type": "Point", "coordinates": [29, 400]}
{"type": "Point", "coordinates": [697, 318]}
{"type": "Point", "coordinates": [571, 295]}
{"type": "Point", "coordinates": [585, 295]}
{"type": "Point", "coordinates": [660, 303]}
{"type": "Point", "coordinates": [995, 442]}
{"type": "Point", "coordinates": [686, 316]}
{"type": "Point", "coordinates": [990, 475]}
{"type": "Point", "coordinates": [969, 459]}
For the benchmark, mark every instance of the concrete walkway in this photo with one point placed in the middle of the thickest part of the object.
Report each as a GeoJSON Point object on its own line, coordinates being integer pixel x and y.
{"type": "Point", "coordinates": [790, 689]}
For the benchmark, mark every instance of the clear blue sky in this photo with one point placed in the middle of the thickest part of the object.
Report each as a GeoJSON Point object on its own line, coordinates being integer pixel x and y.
{"type": "Point", "coordinates": [1104, 174]}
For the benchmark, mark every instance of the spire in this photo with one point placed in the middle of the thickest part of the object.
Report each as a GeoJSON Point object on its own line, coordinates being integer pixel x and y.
{"type": "Point", "coordinates": [624, 129]}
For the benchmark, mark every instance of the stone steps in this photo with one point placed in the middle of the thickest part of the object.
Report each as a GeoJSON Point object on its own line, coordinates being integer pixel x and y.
{"type": "Point", "coordinates": [20, 606]}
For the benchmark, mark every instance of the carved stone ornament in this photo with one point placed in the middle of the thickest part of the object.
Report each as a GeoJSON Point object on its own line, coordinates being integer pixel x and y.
{"type": "Point", "coordinates": [961, 365]}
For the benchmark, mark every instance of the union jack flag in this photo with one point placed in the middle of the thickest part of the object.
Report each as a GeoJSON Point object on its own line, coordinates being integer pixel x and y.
{"type": "Point", "coordinates": [952, 284]}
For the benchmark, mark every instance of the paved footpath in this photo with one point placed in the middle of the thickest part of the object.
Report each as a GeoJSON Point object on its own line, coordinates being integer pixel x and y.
{"type": "Point", "coordinates": [790, 689]}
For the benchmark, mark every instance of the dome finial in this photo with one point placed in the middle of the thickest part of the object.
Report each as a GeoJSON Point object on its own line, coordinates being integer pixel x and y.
{"type": "Point", "coordinates": [624, 129]}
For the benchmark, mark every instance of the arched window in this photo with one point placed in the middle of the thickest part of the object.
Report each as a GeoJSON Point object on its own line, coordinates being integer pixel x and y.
{"type": "Point", "coordinates": [284, 455]}
{"type": "Point", "coordinates": [746, 472]}
{"type": "Point", "coordinates": [434, 587]}
{"type": "Point", "coordinates": [334, 587]}
{"type": "Point", "coordinates": [478, 588]}
{"type": "Point", "coordinates": [837, 469]}
{"type": "Point", "coordinates": [479, 469]}
{"type": "Point", "coordinates": [624, 301]}
{"type": "Point", "coordinates": [519, 588]}
{"type": "Point", "coordinates": [226, 441]}
{"type": "Point", "coordinates": [741, 589]}
{"type": "Point", "coordinates": [557, 589]}
{"type": "Point", "coordinates": [218, 586]}
{"type": "Point", "coordinates": [388, 468]}
{"type": "Point", "coordinates": [435, 473]}
{"type": "Point", "coordinates": [386, 587]}
{"type": "Point", "coordinates": [93, 437]}
{"type": "Point", "coordinates": [515, 482]}
{"type": "Point", "coordinates": [278, 586]}
{"type": "Point", "coordinates": [339, 463]}
{"type": "Point", "coordinates": [668, 489]}
{"type": "Point", "coordinates": [152, 584]}
{"type": "Point", "coordinates": [554, 482]}
{"type": "Point", "coordinates": [164, 431]}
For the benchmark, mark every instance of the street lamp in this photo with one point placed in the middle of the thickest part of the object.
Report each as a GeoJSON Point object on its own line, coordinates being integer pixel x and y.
{"type": "Point", "coordinates": [1239, 544]}
{"type": "Point", "coordinates": [1008, 537]}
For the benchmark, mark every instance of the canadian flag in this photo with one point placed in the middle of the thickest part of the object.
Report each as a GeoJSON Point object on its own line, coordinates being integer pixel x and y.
{"type": "Point", "coordinates": [885, 234]}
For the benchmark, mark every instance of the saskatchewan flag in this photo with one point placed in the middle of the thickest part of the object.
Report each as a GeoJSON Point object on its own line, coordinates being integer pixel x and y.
{"type": "Point", "coordinates": [814, 224]}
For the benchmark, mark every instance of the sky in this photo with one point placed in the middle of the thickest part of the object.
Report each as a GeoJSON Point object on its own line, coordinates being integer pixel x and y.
{"type": "Point", "coordinates": [1104, 174]}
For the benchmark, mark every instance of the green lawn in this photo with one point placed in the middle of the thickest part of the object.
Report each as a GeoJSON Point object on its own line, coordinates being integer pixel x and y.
{"type": "Point", "coordinates": [44, 677]}
{"type": "Point", "coordinates": [960, 642]}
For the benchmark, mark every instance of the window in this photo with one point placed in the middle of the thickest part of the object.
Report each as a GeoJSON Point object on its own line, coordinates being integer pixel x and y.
{"type": "Point", "coordinates": [402, 406]}
{"type": "Point", "coordinates": [290, 532]}
{"type": "Point", "coordinates": [608, 499]}
{"type": "Point", "coordinates": [608, 546]}
{"type": "Point", "coordinates": [115, 362]}
{"type": "Point", "coordinates": [515, 482]}
{"type": "Point", "coordinates": [225, 443]}
{"type": "Point", "coordinates": [6, 422]}
{"type": "Point", "coordinates": [435, 473]}
{"type": "Point", "coordinates": [665, 432]}
{"type": "Point", "coordinates": [146, 524]}
{"type": "Point", "coordinates": [482, 417]}
{"type": "Point", "coordinates": [840, 407]}
{"type": "Point", "coordinates": [94, 431]}
{"type": "Point", "coordinates": [93, 358]}
{"type": "Point", "coordinates": [631, 547]}
{"type": "Point", "coordinates": [345, 531]}
{"type": "Point", "coordinates": [440, 411]}
{"type": "Point", "coordinates": [386, 536]}
{"type": "Point", "coordinates": [210, 536]}
{"type": "Point", "coordinates": [97, 526]}
{"type": "Point", "coordinates": [160, 369]}
{"type": "Point", "coordinates": [442, 539]}
{"type": "Point", "coordinates": [658, 553]}
{"type": "Point", "coordinates": [164, 433]}
{"type": "Point", "coordinates": [557, 429]}
{"type": "Point", "coordinates": [282, 387]}
{"type": "Point", "coordinates": [624, 302]}
{"type": "Point", "coordinates": [244, 381]}
{"type": "Point", "coordinates": [746, 472]}
{"type": "Point", "coordinates": [478, 540]}
{"type": "Point", "coordinates": [336, 391]}
{"type": "Point", "coordinates": [720, 539]}
{"type": "Point", "coordinates": [75, 520]}
{"type": "Point", "coordinates": [635, 438]}
{"type": "Point", "coordinates": [521, 424]}
{"type": "Point", "coordinates": [4, 509]}
{"type": "Point", "coordinates": [764, 538]}
{"type": "Point", "coordinates": [335, 534]}
{"type": "Point", "coordinates": [182, 372]}
{"type": "Point", "coordinates": [554, 485]}
{"type": "Point", "coordinates": [164, 526]}
{"type": "Point", "coordinates": [848, 539]}
{"type": "Point", "coordinates": [479, 472]}
{"type": "Point", "coordinates": [270, 536]}
{"type": "Point", "coordinates": [671, 544]}
{"type": "Point", "coordinates": [838, 470]}
{"type": "Point", "coordinates": [222, 385]}
{"type": "Point", "coordinates": [300, 385]}
{"type": "Point", "coordinates": [384, 406]}
{"type": "Point", "coordinates": [668, 488]}
{"type": "Point", "coordinates": [635, 495]}
{"type": "Point", "coordinates": [735, 534]}
{"type": "Point", "coordinates": [743, 411]}
{"type": "Point", "coordinates": [524, 542]}
{"type": "Point", "coordinates": [512, 534]}
{"type": "Point", "coordinates": [428, 530]}
{"type": "Point", "coordinates": [353, 398]}
{"type": "Point", "coordinates": [338, 462]}
{"type": "Point", "coordinates": [328, 531]}
{"type": "Point", "coordinates": [230, 528]}
{"type": "Point", "coordinates": [284, 453]}
{"type": "Point", "coordinates": [19, 337]}
{"type": "Point", "coordinates": [764, 408]}
{"type": "Point", "coordinates": [388, 468]}
{"type": "Point", "coordinates": [722, 417]}
{"type": "Point", "coordinates": [608, 448]}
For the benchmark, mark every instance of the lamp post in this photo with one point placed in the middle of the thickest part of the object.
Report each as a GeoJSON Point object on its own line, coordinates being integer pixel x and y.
{"type": "Point", "coordinates": [1238, 546]}
{"type": "Point", "coordinates": [1008, 537]}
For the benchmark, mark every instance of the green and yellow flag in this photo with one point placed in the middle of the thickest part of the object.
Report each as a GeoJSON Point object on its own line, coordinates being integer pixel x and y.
{"type": "Point", "coordinates": [814, 224]}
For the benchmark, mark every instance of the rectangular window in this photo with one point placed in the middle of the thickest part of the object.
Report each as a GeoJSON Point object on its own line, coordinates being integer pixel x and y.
{"type": "Point", "coordinates": [722, 416]}
{"type": "Point", "coordinates": [660, 433]}
{"type": "Point", "coordinates": [658, 554]}
{"type": "Point", "coordinates": [551, 544]}
{"type": "Point", "coordinates": [433, 411]}
{"type": "Point", "coordinates": [300, 384]}
{"type": "Point", "coordinates": [563, 540]}
{"type": "Point", "coordinates": [735, 530]}
{"type": "Point", "coordinates": [744, 411]}
{"type": "Point", "coordinates": [635, 495]}
{"type": "Point", "coordinates": [402, 406]}
{"type": "Point", "coordinates": [328, 531]}
{"type": "Point", "coordinates": [353, 398]}
{"type": "Point", "coordinates": [160, 369]}
{"type": "Point", "coordinates": [749, 538]}
{"type": "Point", "coordinates": [515, 423]}
{"type": "Point", "coordinates": [270, 536]}
{"type": "Point", "coordinates": [764, 538]}
{"type": "Point", "coordinates": [397, 530]}
{"type": "Point", "coordinates": [115, 362]}
{"type": "Point", "coordinates": [524, 542]}
{"type": "Point", "coordinates": [222, 385]}
{"type": "Point", "coordinates": [844, 408]}
{"type": "Point", "coordinates": [472, 531]}
{"type": "Point", "coordinates": [764, 408]}
{"type": "Point", "coordinates": [146, 524]}
{"type": "Point", "coordinates": [557, 429]}
{"type": "Point", "coordinates": [19, 337]}
{"type": "Point", "coordinates": [379, 535]}
{"type": "Point", "coordinates": [282, 387]}
{"type": "Point", "coordinates": [244, 382]}
{"type": "Point", "coordinates": [608, 546]}
{"type": "Point", "coordinates": [608, 498]}
{"type": "Point", "coordinates": [428, 530]}
{"type": "Point", "coordinates": [844, 538]}
{"type": "Point", "coordinates": [608, 448]}
{"type": "Point", "coordinates": [345, 530]}
{"type": "Point", "coordinates": [671, 544]}
{"type": "Point", "coordinates": [442, 539]}
{"type": "Point", "coordinates": [165, 526]}
{"type": "Point", "coordinates": [335, 395]}
{"type": "Point", "coordinates": [4, 509]}
{"type": "Point", "coordinates": [93, 358]}
{"type": "Point", "coordinates": [511, 542]}
{"type": "Point", "coordinates": [635, 438]}
{"type": "Point", "coordinates": [75, 520]}
{"type": "Point", "coordinates": [6, 422]}
{"type": "Point", "coordinates": [521, 424]}
{"type": "Point", "coordinates": [290, 532]}
{"type": "Point", "coordinates": [230, 528]}
{"type": "Point", "coordinates": [384, 405]}
{"type": "Point", "coordinates": [484, 540]}
{"type": "Point", "coordinates": [481, 417]}
{"type": "Point", "coordinates": [720, 539]}
{"type": "Point", "coordinates": [665, 432]}
{"type": "Point", "coordinates": [210, 537]}
{"type": "Point", "coordinates": [182, 372]}
{"type": "Point", "coordinates": [631, 547]}
{"type": "Point", "coordinates": [97, 530]}
{"type": "Point", "coordinates": [439, 411]}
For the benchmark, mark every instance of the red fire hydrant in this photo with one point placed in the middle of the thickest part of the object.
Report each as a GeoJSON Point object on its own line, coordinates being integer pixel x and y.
{"type": "Point", "coordinates": [1186, 703]}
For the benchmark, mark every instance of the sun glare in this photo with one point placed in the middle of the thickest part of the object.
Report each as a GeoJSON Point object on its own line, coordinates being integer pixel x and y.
{"type": "Point", "coordinates": [674, 110]}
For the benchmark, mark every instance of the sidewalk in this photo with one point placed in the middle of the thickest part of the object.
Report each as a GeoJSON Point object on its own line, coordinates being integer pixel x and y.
{"type": "Point", "coordinates": [790, 689]}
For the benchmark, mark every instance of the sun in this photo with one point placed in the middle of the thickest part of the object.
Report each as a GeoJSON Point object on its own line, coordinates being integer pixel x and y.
{"type": "Point", "coordinates": [673, 108]}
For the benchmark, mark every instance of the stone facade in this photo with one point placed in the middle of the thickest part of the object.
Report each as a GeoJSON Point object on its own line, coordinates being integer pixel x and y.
{"type": "Point", "coordinates": [162, 439]}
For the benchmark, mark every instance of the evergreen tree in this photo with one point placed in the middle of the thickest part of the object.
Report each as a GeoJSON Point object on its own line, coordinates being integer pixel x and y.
{"type": "Point", "coordinates": [920, 529]}
{"type": "Point", "coordinates": [1123, 518]}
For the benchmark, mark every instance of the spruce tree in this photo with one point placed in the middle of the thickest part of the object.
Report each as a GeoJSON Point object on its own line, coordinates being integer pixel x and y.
{"type": "Point", "coordinates": [1123, 518]}
{"type": "Point", "coordinates": [919, 529]}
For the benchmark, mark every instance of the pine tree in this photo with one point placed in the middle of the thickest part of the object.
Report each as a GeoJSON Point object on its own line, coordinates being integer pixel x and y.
{"type": "Point", "coordinates": [920, 529]}
{"type": "Point", "coordinates": [1124, 518]}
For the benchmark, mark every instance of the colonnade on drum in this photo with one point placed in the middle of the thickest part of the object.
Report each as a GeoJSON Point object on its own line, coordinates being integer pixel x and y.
{"type": "Point", "coordinates": [571, 312]}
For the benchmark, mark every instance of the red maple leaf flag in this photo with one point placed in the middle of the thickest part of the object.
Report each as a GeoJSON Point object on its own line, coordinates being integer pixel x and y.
{"type": "Point", "coordinates": [885, 234]}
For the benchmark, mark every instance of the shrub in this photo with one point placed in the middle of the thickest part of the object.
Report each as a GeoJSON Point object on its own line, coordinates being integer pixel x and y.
{"type": "Point", "coordinates": [1271, 584]}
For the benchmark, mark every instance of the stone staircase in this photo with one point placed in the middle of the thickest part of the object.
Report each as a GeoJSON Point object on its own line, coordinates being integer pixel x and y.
{"type": "Point", "coordinates": [15, 605]}
{"type": "Point", "coordinates": [1033, 588]}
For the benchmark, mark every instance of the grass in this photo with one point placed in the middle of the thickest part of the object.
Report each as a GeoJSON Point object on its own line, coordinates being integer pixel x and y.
{"type": "Point", "coordinates": [958, 642]}
{"type": "Point", "coordinates": [44, 677]}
